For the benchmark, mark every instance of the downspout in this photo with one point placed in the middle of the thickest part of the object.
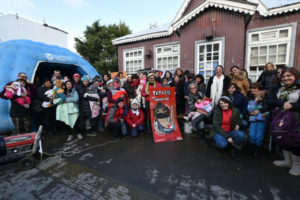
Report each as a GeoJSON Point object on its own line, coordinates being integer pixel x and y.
{"type": "Point", "coordinates": [248, 20]}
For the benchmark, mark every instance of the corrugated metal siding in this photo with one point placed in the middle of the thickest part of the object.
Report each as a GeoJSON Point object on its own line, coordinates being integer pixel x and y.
{"type": "Point", "coordinates": [148, 45]}
{"type": "Point", "coordinates": [260, 22]}
{"type": "Point", "coordinates": [223, 24]}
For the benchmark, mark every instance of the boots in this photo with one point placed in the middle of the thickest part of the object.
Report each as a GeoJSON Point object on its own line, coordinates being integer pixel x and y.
{"type": "Point", "coordinates": [287, 162]}
{"type": "Point", "coordinates": [295, 170]}
{"type": "Point", "coordinates": [234, 155]}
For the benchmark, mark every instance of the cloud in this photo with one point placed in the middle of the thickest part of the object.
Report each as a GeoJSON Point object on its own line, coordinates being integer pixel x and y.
{"type": "Point", "coordinates": [77, 3]}
{"type": "Point", "coordinates": [17, 5]}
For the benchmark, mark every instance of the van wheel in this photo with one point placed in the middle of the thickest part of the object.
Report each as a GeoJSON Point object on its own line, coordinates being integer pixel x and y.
{"type": "Point", "coordinates": [26, 163]}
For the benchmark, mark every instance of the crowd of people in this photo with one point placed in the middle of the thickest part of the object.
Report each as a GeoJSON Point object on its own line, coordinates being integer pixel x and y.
{"type": "Point", "coordinates": [238, 111]}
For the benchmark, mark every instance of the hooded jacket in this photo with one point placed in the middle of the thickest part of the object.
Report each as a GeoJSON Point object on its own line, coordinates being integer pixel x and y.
{"type": "Point", "coordinates": [242, 82]}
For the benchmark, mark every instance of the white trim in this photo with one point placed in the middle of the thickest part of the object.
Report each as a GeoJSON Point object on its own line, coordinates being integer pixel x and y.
{"type": "Point", "coordinates": [182, 9]}
{"type": "Point", "coordinates": [164, 45]}
{"type": "Point", "coordinates": [130, 50]}
{"type": "Point", "coordinates": [143, 37]}
{"type": "Point", "coordinates": [227, 5]}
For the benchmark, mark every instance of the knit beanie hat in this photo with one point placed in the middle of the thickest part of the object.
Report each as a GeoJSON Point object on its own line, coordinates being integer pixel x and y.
{"type": "Point", "coordinates": [76, 75]}
{"type": "Point", "coordinates": [135, 101]}
{"type": "Point", "coordinates": [225, 98]}
{"type": "Point", "coordinates": [85, 78]}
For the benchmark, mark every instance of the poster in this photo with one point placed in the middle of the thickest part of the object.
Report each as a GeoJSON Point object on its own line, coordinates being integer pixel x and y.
{"type": "Point", "coordinates": [114, 74]}
{"type": "Point", "coordinates": [163, 115]}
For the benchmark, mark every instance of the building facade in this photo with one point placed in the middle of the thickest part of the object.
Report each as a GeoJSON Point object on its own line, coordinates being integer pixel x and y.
{"type": "Point", "coordinates": [206, 33]}
{"type": "Point", "coordinates": [13, 27]}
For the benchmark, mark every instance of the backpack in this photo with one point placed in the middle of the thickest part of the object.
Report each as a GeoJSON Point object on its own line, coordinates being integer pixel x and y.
{"type": "Point", "coordinates": [285, 128]}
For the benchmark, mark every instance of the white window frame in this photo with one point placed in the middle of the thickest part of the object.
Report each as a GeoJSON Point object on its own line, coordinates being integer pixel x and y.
{"type": "Point", "coordinates": [211, 70]}
{"type": "Point", "coordinates": [166, 55]}
{"type": "Point", "coordinates": [289, 41]}
{"type": "Point", "coordinates": [125, 59]}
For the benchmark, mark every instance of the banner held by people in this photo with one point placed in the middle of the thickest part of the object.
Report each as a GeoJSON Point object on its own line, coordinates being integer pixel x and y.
{"type": "Point", "coordinates": [163, 115]}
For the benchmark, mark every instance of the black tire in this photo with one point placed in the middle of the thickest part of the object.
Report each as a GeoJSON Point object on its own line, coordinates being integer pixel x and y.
{"type": "Point", "coordinates": [26, 163]}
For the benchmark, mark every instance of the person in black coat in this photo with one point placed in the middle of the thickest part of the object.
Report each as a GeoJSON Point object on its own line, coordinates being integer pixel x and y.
{"type": "Point", "coordinates": [85, 112]}
{"type": "Point", "coordinates": [199, 79]}
{"type": "Point", "coordinates": [215, 89]}
{"type": "Point", "coordinates": [180, 100]}
{"type": "Point", "coordinates": [47, 114]}
{"type": "Point", "coordinates": [268, 76]}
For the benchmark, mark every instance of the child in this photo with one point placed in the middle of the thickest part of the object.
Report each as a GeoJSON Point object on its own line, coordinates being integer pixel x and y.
{"type": "Point", "coordinates": [203, 109]}
{"type": "Point", "coordinates": [258, 119]}
{"type": "Point", "coordinates": [95, 105]}
{"type": "Point", "coordinates": [135, 118]}
{"type": "Point", "coordinates": [17, 89]}
{"type": "Point", "coordinates": [115, 117]}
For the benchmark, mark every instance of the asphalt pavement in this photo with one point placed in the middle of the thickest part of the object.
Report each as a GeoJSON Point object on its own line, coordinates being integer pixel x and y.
{"type": "Point", "coordinates": [137, 168]}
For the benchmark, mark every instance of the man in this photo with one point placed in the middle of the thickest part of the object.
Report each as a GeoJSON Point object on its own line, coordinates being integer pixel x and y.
{"type": "Point", "coordinates": [29, 86]}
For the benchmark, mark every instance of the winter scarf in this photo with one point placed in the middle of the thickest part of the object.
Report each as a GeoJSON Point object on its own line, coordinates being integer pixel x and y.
{"type": "Point", "coordinates": [216, 89]}
{"type": "Point", "coordinates": [285, 91]}
{"type": "Point", "coordinates": [147, 87]}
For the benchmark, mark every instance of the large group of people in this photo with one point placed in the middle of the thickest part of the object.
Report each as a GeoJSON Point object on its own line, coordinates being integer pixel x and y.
{"type": "Point", "coordinates": [238, 111]}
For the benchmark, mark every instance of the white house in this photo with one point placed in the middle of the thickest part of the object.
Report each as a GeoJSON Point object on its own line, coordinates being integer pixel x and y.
{"type": "Point", "coordinates": [13, 27]}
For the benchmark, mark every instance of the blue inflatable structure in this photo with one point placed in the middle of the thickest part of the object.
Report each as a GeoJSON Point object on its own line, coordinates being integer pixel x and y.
{"type": "Point", "coordinates": [36, 60]}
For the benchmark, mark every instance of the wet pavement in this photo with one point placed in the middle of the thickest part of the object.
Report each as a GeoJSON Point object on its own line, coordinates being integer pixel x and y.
{"type": "Point", "coordinates": [98, 168]}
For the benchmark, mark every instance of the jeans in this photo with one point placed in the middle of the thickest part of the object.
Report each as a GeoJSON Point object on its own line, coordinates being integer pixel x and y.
{"type": "Point", "coordinates": [237, 136]}
{"type": "Point", "coordinates": [135, 131]}
{"type": "Point", "coordinates": [196, 123]}
{"type": "Point", "coordinates": [256, 132]}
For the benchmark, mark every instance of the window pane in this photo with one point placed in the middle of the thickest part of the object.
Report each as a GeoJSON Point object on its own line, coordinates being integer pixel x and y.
{"type": "Point", "coordinates": [263, 50]}
{"type": "Point", "coordinates": [262, 59]}
{"type": "Point", "coordinates": [159, 50]}
{"type": "Point", "coordinates": [254, 51]}
{"type": "Point", "coordinates": [208, 56]}
{"type": "Point", "coordinates": [131, 54]}
{"type": "Point", "coordinates": [216, 56]}
{"type": "Point", "coordinates": [209, 46]}
{"type": "Point", "coordinates": [175, 48]}
{"type": "Point", "coordinates": [170, 60]}
{"type": "Point", "coordinates": [201, 58]}
{"type": "Point", "coordinates": [159, 61]}
{"type": "Point", "coordinates": [216, 47]}
{"type": "Point", "coordinates": [201, 49]}
{"type": "Point", "coordinates": [281, 58]}
{"type": "Point", "coordinates": [165, 61]}
{"type": "Point", "coordinates": [272, 49]}
{"type": "Point", "coordinates": [254, 37]}
{"type": "Point", "coordinates": [135, 54]}
{"type": "Point", "coordinates": [167, 49]}
{"type": "Point", "coordinates": [283, 33]}
{"type": "Point", "coordinates": [268, 35]}
{"type": "Point", "coordinates": [140, 53]}
{"type": "Point", "coordinates": [282, 48]}
{"type": "Point", "coordinates": [127, 55]}
{"type": "Point", "coordinates": [254, 60]}
{"type": "Point", "coordinates": [272, 59]}
{"type": "Point", "coordinates": [175, 60]}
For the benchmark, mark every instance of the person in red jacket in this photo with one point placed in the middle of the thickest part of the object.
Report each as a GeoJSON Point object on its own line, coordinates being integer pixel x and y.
{"type": "Point", "coordinates": [151, 83]}
{"type": "Point", "coordinates": [135, 118]}
{"type": "Point", "coordinates": [115, 117]}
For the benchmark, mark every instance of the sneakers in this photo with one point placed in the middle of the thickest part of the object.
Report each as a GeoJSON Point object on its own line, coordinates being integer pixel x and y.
{"type": "Point", "coordinates": [295, 169]}
{"type": "Point", "coordinates": [92, 134]}
{"type": "Point", "coordinates": [70, 138]}
{"type": "Point", "coordinates": [79, 136]}
{"type": "Point", "coordinates": [287, 162]}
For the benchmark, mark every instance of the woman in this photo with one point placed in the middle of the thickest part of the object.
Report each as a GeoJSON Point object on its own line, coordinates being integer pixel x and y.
{"type": "Point", "coordinates": [179, 73]}
{"type": "Point", "coordinates": [84, 105]}
{"type": "Point", "coordinates": [19, 110]}
{"type": "Point", "coordinates": [106, 78]}
{"type": "Point", "coordinates": [226, 127]}
{"type": "Point", "coordinates": [47, 115]}
{"type": "Point", "coordinates": [151, 83]}
{"type": "Point", "coordinates": [76, 80]}
{"type": "Point", "coordinates": [67, 111]}
{"type": "Point", "coordinates": [276, 83]}
{"type": "Point", "coordinates": [217, 85]}
{"type": "Point", "coordinates": [288, 99]}
{"type": "Point", "coordinates": [129, 88]}
{"type": "Point", "coordinates": [179, 90]}
{"type": "Point", "coordinates": [240, 78]}
{"type": "Point", "coordinates": [238, 99]}
{"type": "Point", "coordinates": [258, 118]}
{"type": "Point", "coordinates": [199, 79]}
{"type": "Point", "coordinates": [193, 95]}
{"type": "Point", "coordinates": [268, 76]}
{"type": "Point", "coordinates": [168, 76]}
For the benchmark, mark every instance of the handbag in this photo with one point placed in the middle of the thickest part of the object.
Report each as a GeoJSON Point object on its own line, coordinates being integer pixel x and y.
{"type": "Point", "coordinates": [285, 128]}
{"type": "Point", "coordinates": [124, 128]}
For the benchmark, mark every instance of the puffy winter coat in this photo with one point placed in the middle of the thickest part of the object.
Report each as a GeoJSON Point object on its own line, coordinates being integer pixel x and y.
{"type": "Point", "coordinates": [84, 105]}
{"type": "Point", "coordinates": [267, 79]}
{"type": "Point", "coordinates": [242, 82]}
{"type": "Point", "coordinates": [132, 118]}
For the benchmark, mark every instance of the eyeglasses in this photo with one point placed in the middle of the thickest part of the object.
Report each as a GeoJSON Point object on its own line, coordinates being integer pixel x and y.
{"type": "Point", "coordinates": [25, 77]}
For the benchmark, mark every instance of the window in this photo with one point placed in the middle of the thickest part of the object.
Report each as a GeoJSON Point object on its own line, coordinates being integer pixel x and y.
{"type": "Point", "coordinates": [133, 60]}
{"type": "Point", "coordinates": [167, 57]}
{"type": "Point", "coordinates": [209, 56]}
{"type": "Point", "coordinates": [267, 46]}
